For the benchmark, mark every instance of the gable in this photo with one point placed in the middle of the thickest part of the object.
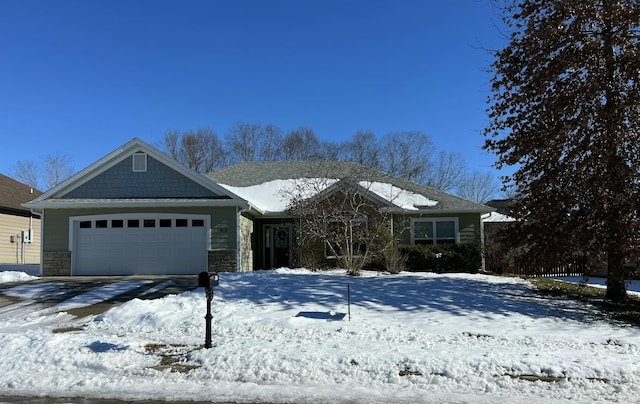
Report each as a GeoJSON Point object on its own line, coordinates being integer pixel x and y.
{"type": "Point", "coordinates": [157, 181]}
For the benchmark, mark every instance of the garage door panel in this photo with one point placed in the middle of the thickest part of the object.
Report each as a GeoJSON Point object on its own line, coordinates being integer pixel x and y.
{"type": "Point", "coordinates": [128, 250]}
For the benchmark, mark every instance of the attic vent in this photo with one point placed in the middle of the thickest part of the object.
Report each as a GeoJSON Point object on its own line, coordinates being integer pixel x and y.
{"type": "Point", "coordinates": [139, 162]}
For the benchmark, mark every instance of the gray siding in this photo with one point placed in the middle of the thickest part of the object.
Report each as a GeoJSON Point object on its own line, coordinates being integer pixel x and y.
{"type": "Point", "coordinates": [469, 227]}
{"type": "Point", "coordinates": [223, 224]}
{"type": "Point", "coordinates": [159, 181]}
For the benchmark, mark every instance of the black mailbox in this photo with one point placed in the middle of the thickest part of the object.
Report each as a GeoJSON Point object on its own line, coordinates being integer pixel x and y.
{"type": "Point", "coordinates": [203, 280]}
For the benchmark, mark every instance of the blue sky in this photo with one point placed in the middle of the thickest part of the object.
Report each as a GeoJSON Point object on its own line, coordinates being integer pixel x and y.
{"type": "Point", "coordinates": [84, 77]}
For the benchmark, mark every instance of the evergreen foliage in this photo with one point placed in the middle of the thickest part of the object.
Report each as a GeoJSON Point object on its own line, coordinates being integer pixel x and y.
{"type": "Point", "coordinates": [564, 112]}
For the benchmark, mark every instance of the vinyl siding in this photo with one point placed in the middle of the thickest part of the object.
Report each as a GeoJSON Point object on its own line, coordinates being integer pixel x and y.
{"type": "Point", "coordinates": [468, 227]}
{"type": "Point", "coordinates": [223, 224]}
{"type": "Point", "coordinates": [12, 253]}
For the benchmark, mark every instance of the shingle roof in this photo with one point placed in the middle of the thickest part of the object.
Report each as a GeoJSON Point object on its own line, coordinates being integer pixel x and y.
{"type": "Point", "coordinates": [502, 206]}
{"type": "Point", "coordinates": [13, 193]}
{"type": "Point", "coordinates": [255, 173]}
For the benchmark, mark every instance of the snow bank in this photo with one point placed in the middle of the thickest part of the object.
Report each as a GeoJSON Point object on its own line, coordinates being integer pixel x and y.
{"type": "Point", "coordinates": [15, 276]}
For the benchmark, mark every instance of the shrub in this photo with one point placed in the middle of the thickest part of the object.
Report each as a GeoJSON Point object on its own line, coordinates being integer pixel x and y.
{"type": "Point", "coordinates": [442, 258]}
{"type": "Point", "coordinates": [394, 261]}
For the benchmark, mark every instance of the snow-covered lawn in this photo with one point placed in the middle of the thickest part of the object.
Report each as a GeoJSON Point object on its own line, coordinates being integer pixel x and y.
{"type": "Point", "coordinates": [285, 336]}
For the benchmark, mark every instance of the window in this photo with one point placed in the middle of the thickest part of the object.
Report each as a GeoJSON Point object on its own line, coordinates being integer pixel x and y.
{"type": "Point", "coordinates": [139, 162]}
{"type": "Point", "coordinates": [347, 234]}
{"type": "Point", "coordinates": [435, 231]}
{"type": "Point", "coordinates": [149, 222]}
{"type": "Point", "coordinates": [165, 222]}
{"type": "Point", "coordinates": [133, 223]}
{"type": "Point", "coordinates": [197, 223]}
{"type": "Point", "coordinates": [182, 222]}
{"type": "Point", "coordinates": [86, 224]}
{"type": "Point", "coordinates": [117, 224]}
{"type": "Point", "coordinates": [101, 224]}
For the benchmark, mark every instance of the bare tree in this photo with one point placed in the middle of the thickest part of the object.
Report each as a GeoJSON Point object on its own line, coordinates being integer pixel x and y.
{"type": "Point", "coordinates": [191, 150]}
{"type": "Point", "coordinates": [52, 169]}
{"type": "Point", "coordinates": [407, 155]}
{"type": "Point", "coordinates": [171, 144]}
{"type": "Point", "coordinates": [27, 172]}
{"type": "Point", "coordinates": [363, 149]}
{"type": "Point", "coordinates": [214, 155]}
{"type": "Point", "coordinates": [243, 140]}
{"type": "Point", "coordinates": [301, 144]}
{"type": "Point", "coordinates": [200, 149]}
{"type": "Point", "coordinates": [478, 187]}
{"type": "Point", "coordinates": [344, 218]}
{"type": "Point", "coordinates": [448, 171]}
{"type": "Point", "coordinates": [57, 168]}
{"type": "Point", "coordinates": [270, 144]}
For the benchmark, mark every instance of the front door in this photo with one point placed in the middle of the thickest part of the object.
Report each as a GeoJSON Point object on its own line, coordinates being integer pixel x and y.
{"type": "Point", "coordinates": [277, 240]}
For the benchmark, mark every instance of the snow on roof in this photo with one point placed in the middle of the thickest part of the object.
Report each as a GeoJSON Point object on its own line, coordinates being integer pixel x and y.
{"type": "Point", "coordinates": [398, 196]}
{"type": "Point", "coordinates": [274, 196]}
{"type": "Point", "coordinates": [495, 217]}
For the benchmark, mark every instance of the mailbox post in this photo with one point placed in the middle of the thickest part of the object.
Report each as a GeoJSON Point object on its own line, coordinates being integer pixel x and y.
{"type": "Point", "coordinates": [207, 282]}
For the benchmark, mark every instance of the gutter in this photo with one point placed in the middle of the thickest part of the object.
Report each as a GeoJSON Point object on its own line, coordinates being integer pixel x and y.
{"type": "Point", "coordinates": [133, 203]}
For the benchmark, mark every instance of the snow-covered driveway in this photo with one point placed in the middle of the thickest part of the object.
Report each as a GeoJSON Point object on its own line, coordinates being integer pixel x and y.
{"type": "Point", "coordinates": [285, 336]}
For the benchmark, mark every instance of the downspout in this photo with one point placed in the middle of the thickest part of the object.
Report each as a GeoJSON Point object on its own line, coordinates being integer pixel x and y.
{"type": "Point", "coordinates": [482, 246]}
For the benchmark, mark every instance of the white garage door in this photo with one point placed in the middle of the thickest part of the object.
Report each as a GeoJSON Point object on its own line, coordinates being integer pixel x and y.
{"type": "Point", "coordinates": [142, 244]}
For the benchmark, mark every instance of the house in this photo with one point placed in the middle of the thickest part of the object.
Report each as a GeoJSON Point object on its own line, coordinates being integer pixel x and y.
{"type": "Point", "coordinates": [137, 211]}
{"type": "Point", "coordinates": [19, 226]}
{"type": "Point", "coordinates": [421, 215]}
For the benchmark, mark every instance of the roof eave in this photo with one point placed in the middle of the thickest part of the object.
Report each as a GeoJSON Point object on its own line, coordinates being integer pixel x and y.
{"type": "Point", "coordinates": [435, 210]}
{"type": "Point", "coordinates": [116, 203]}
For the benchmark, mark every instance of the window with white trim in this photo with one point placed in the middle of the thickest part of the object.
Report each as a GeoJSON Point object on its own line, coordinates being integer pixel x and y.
{"type": "Point", "coordinates": [139, 162]}
{"type": "Point", "coordinates": [435, 231]}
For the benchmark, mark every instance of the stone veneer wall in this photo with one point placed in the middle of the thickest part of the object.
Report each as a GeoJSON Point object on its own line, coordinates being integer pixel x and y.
{"type": "Point", "coordinates": [59, 263]}
{"type": "Point", "coordinates": [222, 261]}
{"type": "Point", "coordinates": [56, 263]}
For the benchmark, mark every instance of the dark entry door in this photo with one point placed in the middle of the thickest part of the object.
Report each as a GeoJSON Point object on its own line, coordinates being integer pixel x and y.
{"type": "Point", "coordinates": [277, 240]}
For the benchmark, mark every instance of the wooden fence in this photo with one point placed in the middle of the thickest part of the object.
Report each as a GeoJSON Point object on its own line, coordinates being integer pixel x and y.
{"type": "Point", "coordinates": [572, 268]}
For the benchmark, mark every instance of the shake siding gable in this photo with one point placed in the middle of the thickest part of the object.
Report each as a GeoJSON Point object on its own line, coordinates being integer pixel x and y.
{"type": "Point", "coordinates": [159, 181]}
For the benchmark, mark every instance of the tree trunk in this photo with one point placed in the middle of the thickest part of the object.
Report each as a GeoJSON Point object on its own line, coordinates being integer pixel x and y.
{"type": "Point", "coordinates": [616, 165]}
{"type": "Point", "coordinates": [616, 289]}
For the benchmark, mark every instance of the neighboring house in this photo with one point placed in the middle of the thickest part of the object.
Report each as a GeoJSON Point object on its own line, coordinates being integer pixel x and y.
{"type": "Point", "coordinates": [422, 215]}
{"type": "Point", "coordinates": [19, 227]}
{"type": "Point", "coordinates": [496, 254]}
{"type": "Point", "coordinates": [500, 217]}
{"type": "Point", "coordinates": [137, 211]}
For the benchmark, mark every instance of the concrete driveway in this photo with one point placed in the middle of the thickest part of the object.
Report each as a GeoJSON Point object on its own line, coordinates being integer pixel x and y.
{"type": "Point", "coordinates": [89, 295]}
